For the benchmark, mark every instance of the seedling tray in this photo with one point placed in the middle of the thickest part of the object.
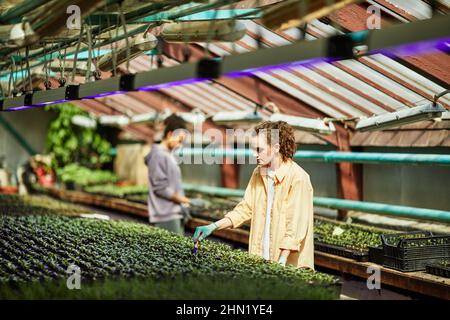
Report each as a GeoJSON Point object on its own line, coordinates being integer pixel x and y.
{"type": "Point", "coordinates": [361, 256]}
{"type": "Point", "coordinates": [438, 270]}
{"type": "Point", "coordinates": [412, 251]}
{"type": "Point", "coordinates": [134, 199]}
{"type": "Point", "coordinates": [376, 254]}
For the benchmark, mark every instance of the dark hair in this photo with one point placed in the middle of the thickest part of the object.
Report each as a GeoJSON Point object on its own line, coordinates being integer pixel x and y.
{"type": "Point", "coordinates": [285, 135]}
{"type": "Point", "coordinates": [172, 123]}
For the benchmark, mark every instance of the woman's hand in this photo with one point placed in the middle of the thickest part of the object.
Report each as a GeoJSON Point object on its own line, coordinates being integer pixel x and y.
{"type": "Point", "coordinates": [203, 231]}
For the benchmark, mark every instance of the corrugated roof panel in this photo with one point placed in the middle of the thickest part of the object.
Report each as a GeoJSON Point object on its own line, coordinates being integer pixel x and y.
{"type": "Point", "coordinates": [220, 51]}
{"type": "Point", "coordinates": [128, 101]}
{"type": "Point", "coordinates": [361, 85]}
{"type": "Point", "coordinates": [185, 95]}
{"type": "Point", "coordinates": [381, 80]}
{"type": "Point", "coordinates": [366, 104]}
{"type": "Point", "coordinates": [323, 29]}
{"type": "Point", "coordinates": [226, 97]}
{"type": "Point", "coordinates": [265, 33]}
{"type": "Point", "coordinates": [230, 95]}
{"type": "Point", "coordinates": [417, 8]}
{"type": "Point", "coordinates": [295, 34]}
{"type": "Point", "coordinates": [207, 93]}
{"type": "Point", "coordinates": [330, 111]}
{"type": "Point", "coordinates": [311, 89]}
{"type": "Point", "coordinates": [408, 75]}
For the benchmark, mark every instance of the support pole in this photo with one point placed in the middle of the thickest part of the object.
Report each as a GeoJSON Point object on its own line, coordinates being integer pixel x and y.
{"type": "Point", "coordinates": [349, 175]}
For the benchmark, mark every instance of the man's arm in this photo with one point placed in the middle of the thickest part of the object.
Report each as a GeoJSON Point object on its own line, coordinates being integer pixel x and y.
{"type": "Point", "coordinates": [179, 199]}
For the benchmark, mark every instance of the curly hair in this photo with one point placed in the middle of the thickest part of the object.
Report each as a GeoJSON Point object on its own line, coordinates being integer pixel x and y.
{"type": "Point", "coordinates": [286, 136]}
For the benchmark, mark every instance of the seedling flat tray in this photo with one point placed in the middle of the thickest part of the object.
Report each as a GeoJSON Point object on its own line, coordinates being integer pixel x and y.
{"type": "Point", "coordinates": [361, 256]}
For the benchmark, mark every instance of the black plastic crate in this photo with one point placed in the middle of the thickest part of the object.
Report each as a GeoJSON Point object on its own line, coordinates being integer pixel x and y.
{"type": "Point", "coordinates": [412, 251]}
{"type": "Point", "coordinates": [376, 254]}
{"type": "Point", "coordinates": [361, 256]}
{"type": "Point", "coordinates": [439, 269]}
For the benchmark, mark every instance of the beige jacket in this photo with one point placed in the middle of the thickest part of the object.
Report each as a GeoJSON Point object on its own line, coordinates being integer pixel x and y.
{"type": "Point", "coordinates": [292, 214]}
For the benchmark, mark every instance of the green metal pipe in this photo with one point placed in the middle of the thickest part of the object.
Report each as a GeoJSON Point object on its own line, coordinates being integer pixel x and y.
{"type": "Point", "coordinates": [21, 140]}
{"type": "Point", "coordinates": [214, 191]}
{"type": "Point", "coordinates": [333, 203]}
{"type": "Point", "coordinates": [382, 208]}
{"type": "Point", "coordinates": [333, 156]}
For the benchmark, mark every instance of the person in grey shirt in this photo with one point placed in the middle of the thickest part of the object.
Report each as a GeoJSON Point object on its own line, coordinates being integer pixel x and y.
{"type": "Point", "coordinates": [166, 196]}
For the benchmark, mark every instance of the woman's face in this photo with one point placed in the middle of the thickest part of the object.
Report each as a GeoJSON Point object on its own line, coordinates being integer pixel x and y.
{"type": "Point", "coordinates": [263, 152]}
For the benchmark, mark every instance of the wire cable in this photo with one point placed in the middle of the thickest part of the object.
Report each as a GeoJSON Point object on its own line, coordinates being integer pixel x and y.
{"type": "Point", "coordinates": [76, 52]}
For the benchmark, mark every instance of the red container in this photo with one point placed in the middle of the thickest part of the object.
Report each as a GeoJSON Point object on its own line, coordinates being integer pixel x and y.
{"type": "Point", "coordinates": [8, 190]}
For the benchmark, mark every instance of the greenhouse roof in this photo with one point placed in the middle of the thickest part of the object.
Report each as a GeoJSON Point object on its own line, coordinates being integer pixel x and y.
{"type": "Point", "coordinates": [352, 88]}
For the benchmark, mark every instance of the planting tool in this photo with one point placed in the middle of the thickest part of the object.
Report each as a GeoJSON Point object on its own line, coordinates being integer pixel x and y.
{"type": "Point", "coordinates": [196, 247]}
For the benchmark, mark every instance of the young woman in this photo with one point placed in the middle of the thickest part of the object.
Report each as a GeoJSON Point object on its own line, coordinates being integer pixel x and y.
{"type": "Point", "coordinates": [278, 201]}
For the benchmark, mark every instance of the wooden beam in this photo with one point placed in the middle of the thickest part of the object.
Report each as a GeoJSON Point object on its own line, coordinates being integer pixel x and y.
{"type": "Point", "coordinates": [230, 175]}
{"type": "Point", "coordinates": [349, 175]}
{"type": "Point", "coordinates": [101, 201]}
{"type": "Point", "coordinates": [418, 282]}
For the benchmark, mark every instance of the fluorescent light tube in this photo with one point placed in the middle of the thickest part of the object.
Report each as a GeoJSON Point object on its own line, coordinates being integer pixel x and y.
{"type": "Point", "coordinates": [114, 120]}
{"type": "Point", "coordinates": [148, 118]}
{"type": "Point", "coordinates": [237, 117]}
{"type": "Point", "coordinates": [405, 116]}
{"type": "Point", "coordinates": [191, 117]}
{"type": "Point", "coordinates": [305, 124]}
{"type": "Point", "coordinates": [83, 121]}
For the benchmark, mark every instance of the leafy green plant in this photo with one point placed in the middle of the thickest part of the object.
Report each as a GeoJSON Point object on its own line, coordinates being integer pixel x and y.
{"type": "Point", "coordinates": [84, 176]}
{"type": "Point", "coordinates": [36, 204]}
{"type": "Point", "coordinates": [353, 237]}
{"type": "Point", "coordinates": [69, 143]}
{"type": "Point", "coordinates": [178, 288]}
{"type": "Point", "coordinates": [36, 248]}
